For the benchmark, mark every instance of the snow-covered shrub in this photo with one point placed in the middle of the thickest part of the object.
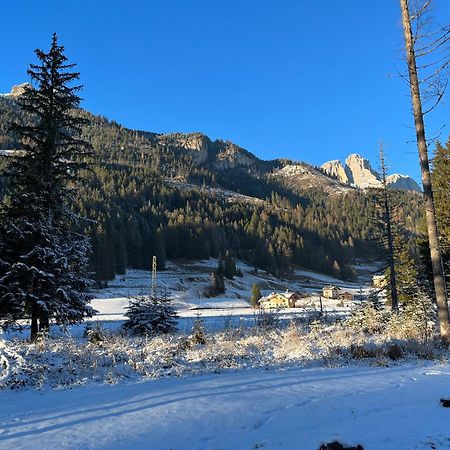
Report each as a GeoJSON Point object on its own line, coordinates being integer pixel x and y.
{"type": "Point", "coordinates": [266, 319]}
{"type": "Point", "coordinates": [365, 351]}
{"type": "Point", "coordinates": [415, 320]}
{"type": "Point", "coordinates": [368, 318]}
{"type": "Point", "coordinates": [150, 315]}
{"type": "Point", "coordinates": [95, 334]}
{"type": "Point", "coordinates": [65, 362]}
{"type": "Point", "coordinates": [10, 361]}
{"type": "Point", "coordinates": [395, 352]}
{"type": "Point", "coordinates": [293, 345]}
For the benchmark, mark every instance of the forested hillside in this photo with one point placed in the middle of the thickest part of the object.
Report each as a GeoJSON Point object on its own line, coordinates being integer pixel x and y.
{"type": "Point", "coordinates": [147, 194]}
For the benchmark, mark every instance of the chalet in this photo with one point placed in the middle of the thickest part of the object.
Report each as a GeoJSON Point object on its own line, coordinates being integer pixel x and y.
{"type": "Point", "coordinates": [279, 300]}
{"type": "Point", "coordinates": [331, 292]}
{"type": "Point", "coordinates": [345, 296]}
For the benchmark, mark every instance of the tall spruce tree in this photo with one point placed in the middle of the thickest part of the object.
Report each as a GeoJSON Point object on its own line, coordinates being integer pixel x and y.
{"type": "Point", "coordinates": [384, 207]}
{"type": "Point", "coordinates": [43, 256]}
{"type": "Point", "coordinates": [441, 184]}
{"type": "Point", "coordinates": [408, 282]}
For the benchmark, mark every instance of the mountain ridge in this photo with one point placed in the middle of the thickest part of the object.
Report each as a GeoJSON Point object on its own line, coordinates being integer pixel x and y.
{"type": "Point", "coordinates": [182, 195]}
{"type": "Point", "coordinates": [358, 172]}
{"type": "Point", "coordinates": [223, 155]}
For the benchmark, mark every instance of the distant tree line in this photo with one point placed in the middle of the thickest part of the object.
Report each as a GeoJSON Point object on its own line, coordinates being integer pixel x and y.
{"type": "Point", "coordinates": [135, 213]}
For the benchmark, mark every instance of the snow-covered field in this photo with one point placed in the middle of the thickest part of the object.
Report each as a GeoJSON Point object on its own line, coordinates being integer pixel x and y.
{"type": "Point", "coordinates": [293, 387]}
{"type": "Point", "coordinates": [380, 408]}
{"type": "Point", "coordinates": [186, 284]}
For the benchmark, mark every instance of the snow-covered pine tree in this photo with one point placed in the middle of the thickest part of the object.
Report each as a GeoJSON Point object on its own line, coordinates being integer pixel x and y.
{"type": "Point", "coordinates": [198, 335]}
{"type": "Point", "coordinates": [43, 256]}
{"type": "Point", "coordinates": [151, 315]}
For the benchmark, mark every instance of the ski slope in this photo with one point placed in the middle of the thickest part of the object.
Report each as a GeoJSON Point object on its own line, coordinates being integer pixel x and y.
{"type": "Point", "coordinates": [378, 407]}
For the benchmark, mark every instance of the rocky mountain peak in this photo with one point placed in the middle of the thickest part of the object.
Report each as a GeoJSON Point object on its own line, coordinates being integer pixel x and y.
{"type": "Point", "coordinates": [358, 172]}
{"type": "Point", "coordinates": [336, 170]}
{"type": "Point", "coordinates": [18, 89]}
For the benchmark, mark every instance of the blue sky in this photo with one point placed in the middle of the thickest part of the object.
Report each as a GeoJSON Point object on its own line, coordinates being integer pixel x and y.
{"type": "Point", "coordinates": [299, 79]}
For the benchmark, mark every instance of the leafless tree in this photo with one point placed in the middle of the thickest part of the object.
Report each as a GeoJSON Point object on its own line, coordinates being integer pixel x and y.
{"type": "Point", "coordinates": [422, 43]}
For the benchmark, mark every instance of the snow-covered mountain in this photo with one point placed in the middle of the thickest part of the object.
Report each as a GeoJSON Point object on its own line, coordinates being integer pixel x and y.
{"type": "Point", "coordinates": [358, 172]}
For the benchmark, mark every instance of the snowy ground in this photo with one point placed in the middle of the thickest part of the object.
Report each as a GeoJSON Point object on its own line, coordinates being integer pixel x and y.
{"type": "Point", "coordinates": [380, 408]}
{"type": "Point", "coordinates": [186, 283]}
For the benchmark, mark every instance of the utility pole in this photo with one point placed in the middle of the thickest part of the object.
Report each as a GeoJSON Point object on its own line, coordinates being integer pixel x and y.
{"type": "Point", "coordinates": [154, 277]}
{"type": "Point", "coordinates": [433, 236]}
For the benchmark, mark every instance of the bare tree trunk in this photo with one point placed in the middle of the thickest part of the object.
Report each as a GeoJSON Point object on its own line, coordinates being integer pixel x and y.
{"type": "Point", "coordinates": [44, 322]}
{"type": "Point", "coordinates": [433, 237]}
{"type": "Point", "coordinates": [34, 322]}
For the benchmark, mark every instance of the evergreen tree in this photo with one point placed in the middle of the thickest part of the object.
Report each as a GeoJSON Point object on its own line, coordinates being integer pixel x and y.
{"type": "Point", "coordinates": [43, 256]}
{"type": "Point", "coordinates": [198, 335]}
{"type": "Point", "coordinates": [386, 221]}
{"type": "Point", "coordinates": [217, 283]}
{"type": "Point", "coordinates": [160, 251]}
{"type": "Point", "coordinates": [415, 42]}
{"type": "Point", "coordinates": [151, 315]}
{"type": "Point", "coordinates": [256, 295]}
{"type": "Point", "coordinates": [441, 185]}
{"type": "Point", "coordinates": [229, 270]}
{"type": "Point", "coordinates": [407, 271]}
{"type": "Point", "coordinates": [220, 269]}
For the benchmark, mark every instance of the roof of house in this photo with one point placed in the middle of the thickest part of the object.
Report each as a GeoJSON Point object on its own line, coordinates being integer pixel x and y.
{"type": "Point", "coordinates": [331, 287]}
{"type": "Point", "coordinates": [287, 295]}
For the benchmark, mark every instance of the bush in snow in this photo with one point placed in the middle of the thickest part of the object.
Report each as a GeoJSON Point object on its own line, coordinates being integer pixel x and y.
{"type": "Point", "coordinates": [94, 334]}
{"type": "Point", "coordinates": [198, 335]}
{"type": "Point", "coordinates": [368, 317]}
{"type": "Point", "coordinates": [9, 359]}
{"type": "Point", "coordinates": [151, 315]}
{"type": "Point", "coordinates": [65, 362]}
{"type": "Point", "coordinates": [266, 319]}
{"type": "Point", "coordinates": [416, 319]}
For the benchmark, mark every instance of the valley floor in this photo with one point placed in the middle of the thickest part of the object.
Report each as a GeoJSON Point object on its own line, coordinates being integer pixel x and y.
{"type": "Point", "coordinates": [187, 282]}
{"type": "Point", "coordinates": [380, 408]}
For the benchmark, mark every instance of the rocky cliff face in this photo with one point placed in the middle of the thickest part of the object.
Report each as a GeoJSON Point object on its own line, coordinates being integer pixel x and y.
{"type": "Point", "coordinates": [220, 155]}
{"type": "Point", "coordinates": [358, 172]}
{"type": "Point", "coordinates": [18, 90]}
{"type": "Point", "coordinates": [193, 144]}
{"type": "Point", "coordinates": [336, 170]}
{"type": "Point", "coordinates": [232, 156]}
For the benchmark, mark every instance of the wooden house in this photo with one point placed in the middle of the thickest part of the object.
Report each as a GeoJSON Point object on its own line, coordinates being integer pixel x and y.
{"type": "Point", "coordinates": [331, 292]}
{"type": "Point", "coordinates": [277, 300]}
